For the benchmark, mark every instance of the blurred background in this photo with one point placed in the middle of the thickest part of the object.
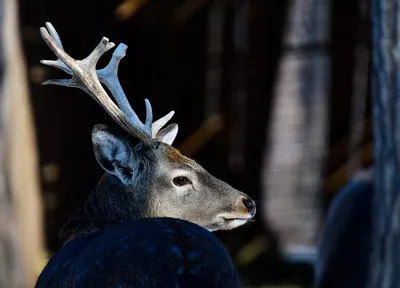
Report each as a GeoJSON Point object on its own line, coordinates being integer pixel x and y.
{"type": "Point", "coordinates": [272, 97]}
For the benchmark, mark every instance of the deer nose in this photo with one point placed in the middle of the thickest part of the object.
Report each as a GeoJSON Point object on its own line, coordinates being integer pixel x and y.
{"type": "Point", "coordinates": [250, 205]}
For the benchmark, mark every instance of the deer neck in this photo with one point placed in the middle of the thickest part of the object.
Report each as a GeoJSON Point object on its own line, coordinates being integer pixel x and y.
{"type": "Point", "coordinates": [111, 202]}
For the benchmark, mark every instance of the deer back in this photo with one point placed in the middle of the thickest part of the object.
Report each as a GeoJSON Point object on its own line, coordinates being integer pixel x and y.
{"type": "Point", "coordinates": [139, 253]}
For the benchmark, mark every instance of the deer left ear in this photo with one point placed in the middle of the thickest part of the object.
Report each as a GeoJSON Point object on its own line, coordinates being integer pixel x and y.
{"type": "Point", "coordinates": [168, 134]}
{"type": "Point", "coordinates": [113, 153]}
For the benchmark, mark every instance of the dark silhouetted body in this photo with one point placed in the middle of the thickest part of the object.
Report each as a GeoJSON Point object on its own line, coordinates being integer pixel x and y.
{"type": "Point", "coordinates": [344, 251]}
{"type": "Point", "coordinates": [153, 252]}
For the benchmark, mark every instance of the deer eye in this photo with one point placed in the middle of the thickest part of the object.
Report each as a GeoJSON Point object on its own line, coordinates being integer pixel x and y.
{"type": "Point", "coordinates": [181, 180]}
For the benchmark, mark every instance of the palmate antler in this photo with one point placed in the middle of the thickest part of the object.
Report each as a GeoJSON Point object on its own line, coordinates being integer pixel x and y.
{"type": "Point", "coordinates": [86, 77]}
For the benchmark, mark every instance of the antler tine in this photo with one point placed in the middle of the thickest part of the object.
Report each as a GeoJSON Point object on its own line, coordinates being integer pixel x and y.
{"type": "Point", "coordinates": [84, 76]}
{"type": "Point", "coordinates": [109, 77]}
{"type": "Point", "coordinates": [54, 34]}
{"type": "Point", "coordinates": [57, 63]}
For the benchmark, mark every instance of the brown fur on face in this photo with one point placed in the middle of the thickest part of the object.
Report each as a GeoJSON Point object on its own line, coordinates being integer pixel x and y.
{"type": "Point", "coordinates": [175, 156]}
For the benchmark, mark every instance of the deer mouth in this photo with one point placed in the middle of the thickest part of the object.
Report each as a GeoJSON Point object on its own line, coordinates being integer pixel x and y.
{"type": "Point", "coordinates": [229, 217]}
{"type": "Point", "coordinates": [230, 223]}
{"type": "Point", "coordinates": [239, 219]}
{"type": "Point", "coordinates": [236, 222]}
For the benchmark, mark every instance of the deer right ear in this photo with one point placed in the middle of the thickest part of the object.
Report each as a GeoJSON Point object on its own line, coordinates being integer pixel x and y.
{"type": "Point", "coordinates": [113, 153]}
{"type": "Point", "coordinates": [168, 134]}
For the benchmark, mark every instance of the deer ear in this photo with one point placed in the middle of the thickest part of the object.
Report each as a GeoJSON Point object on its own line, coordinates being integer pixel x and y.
{"type": "Point", "coordinates": [113, 153]}
{"type": "Point", "coordinates": [168, 134]}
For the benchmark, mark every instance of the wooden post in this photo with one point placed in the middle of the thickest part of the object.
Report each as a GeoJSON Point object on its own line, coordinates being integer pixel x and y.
{"type": "Point", "coordinates": [20, 220]}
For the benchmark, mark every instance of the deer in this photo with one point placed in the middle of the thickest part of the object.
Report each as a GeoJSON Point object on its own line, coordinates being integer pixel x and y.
{"type": "Point", "coordinates": [145, 182]}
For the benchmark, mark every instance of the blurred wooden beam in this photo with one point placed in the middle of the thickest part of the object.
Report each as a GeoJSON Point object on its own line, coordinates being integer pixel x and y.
{"type": "Point", "coordinates": [128, 8]}
{"type": "Point", "coordinates": [212, 126]}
